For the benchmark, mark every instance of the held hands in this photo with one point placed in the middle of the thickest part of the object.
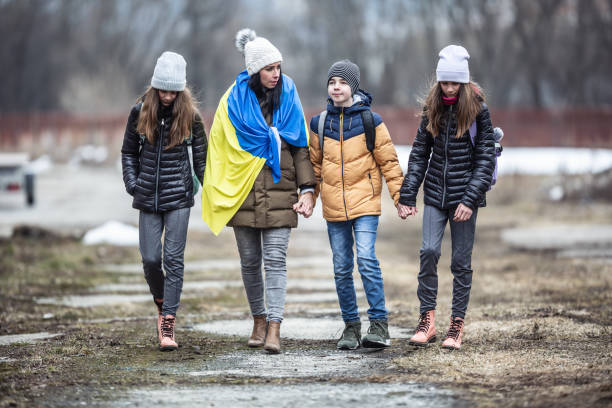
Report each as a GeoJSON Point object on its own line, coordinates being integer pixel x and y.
{"type": "Point", "coordinates": [304, 205]}
{"type": "Point", "coordinates": [404, 211]}
{"type": "Point", "coordinates": [462, 213]}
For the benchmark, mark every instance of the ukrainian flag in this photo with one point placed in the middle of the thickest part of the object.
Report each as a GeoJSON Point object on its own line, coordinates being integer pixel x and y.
{"type": "Point", "coordinates": [241, 143]}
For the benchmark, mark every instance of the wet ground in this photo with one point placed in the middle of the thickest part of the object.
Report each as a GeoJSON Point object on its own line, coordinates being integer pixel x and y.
{"type": "Point", "coordinates": [78, 325]}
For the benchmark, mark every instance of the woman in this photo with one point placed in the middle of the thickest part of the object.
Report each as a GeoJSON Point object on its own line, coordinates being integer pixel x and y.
{"type": "Point", "coordinates": [161, 128]}
{"type": "Point", "coordinates": [257, 159]}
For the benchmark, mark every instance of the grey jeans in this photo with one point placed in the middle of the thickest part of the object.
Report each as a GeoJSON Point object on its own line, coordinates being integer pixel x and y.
{"type": "Point", "coordinates": [173, 225]}
{"type": "Point", "coordinates": [462, 236]}
{"type": "Point", "coordinates": [269, 244]}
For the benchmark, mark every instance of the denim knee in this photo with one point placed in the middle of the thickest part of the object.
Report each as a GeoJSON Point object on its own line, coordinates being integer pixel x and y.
{"type": "Point", "coordinates": [429, 253]}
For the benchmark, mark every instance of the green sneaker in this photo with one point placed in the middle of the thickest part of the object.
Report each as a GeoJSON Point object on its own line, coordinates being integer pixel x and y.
{"type": "Point", "coordinates": [351, 336]}
{"type": "Point", "coordinates": [378, 335]}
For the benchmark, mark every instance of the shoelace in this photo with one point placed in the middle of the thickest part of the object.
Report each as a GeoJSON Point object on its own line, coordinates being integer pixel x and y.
{"type": "Point", "coordinates": [168, 327]}
{"type": "Point", "coordinates": [424, 323]}
{"type": "Point", "coordinates": [455, 329]}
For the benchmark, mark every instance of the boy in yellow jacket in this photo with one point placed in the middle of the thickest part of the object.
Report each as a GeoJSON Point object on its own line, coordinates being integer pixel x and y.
{"type": "Point", "coordinates": [351, 150]}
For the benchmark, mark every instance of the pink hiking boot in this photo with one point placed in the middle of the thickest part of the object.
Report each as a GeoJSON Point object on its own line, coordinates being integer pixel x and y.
{"type": "Point", "coordinates": [160, 317]}
{"type": "Point", "coordinates": [167, 342]}
{"type": "Point", "coordinates": [425, 331]}
{"type": "Point", "coordinates": [455, 332]}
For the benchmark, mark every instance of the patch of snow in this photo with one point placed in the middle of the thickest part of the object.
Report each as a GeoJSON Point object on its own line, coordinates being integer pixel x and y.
{"type": "Point", "coordinates": [113, 233]}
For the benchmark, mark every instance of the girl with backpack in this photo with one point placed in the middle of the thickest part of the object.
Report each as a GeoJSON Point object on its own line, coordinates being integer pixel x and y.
{"type": "Point", "coordinates": [163, 130]}
{"type": "Point", "coordinates": [259, 177]}
{"type": "Point", "coordinates": [457, 175]}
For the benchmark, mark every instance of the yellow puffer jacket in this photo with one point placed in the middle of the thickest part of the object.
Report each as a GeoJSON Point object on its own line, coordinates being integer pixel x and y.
{"type": "Point", "coordinates": [349, 175]}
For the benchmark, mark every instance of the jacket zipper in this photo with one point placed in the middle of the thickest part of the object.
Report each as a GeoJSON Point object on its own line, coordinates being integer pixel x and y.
{"type": "Point", "coordinates": [371, 183]}
{"type": "Point", "coordinates": [450, 114]}
{"type": "Point", "coordinates": [159, 143]}
{"type": "Point", "coordinates": [342, 161]}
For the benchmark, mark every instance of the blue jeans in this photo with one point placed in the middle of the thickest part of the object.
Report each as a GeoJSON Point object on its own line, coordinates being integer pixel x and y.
{"type": "Point", "coordinates": [341, 241]}
{"type": "Point", "coordinates": [462, 237]}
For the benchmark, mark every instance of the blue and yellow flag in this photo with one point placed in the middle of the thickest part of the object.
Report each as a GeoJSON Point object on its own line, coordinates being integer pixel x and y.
{"type": "Point", "coordinates": [241, 143]}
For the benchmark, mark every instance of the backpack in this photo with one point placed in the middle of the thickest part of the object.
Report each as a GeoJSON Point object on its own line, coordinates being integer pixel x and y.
{"type": "Point", "coordinates": [368, 128]}
{"type": "Point", "coordinates": [498, 134]}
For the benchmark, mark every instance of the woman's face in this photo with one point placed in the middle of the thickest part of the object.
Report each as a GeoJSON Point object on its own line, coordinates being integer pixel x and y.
{"type": "Point", "coordinates": [450, 89]}
{"type": "Point", "coordinates": [339, 91]}
{"type": "Point", "coordinates": [167, 97]}
{"type": "Point", "coordinates": [270, 74]}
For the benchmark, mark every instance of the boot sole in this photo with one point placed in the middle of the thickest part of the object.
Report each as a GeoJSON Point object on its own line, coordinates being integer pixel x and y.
{"type": "Point", "coordinates": [168, 348]}
{"type": "Point", "coordinates": [347, 348]}
{"type": "Point", "coordinates": [272, 351]}
{"type": "Point", "coordinates": [376, 344]}
{"type": "Point", "coordinates": [419, 344]}
{"type": "Point", "coordinates": [451, 348]}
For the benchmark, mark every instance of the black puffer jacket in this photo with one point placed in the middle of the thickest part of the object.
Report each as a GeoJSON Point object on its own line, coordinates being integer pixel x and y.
{"type": "Point", "coordinates": [456, 172]}
{"type": "Point", "coordinates": [160, 180]}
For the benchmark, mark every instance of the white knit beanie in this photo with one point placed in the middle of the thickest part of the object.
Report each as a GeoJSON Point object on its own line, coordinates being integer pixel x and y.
{"type": "Point", "coordinates": [453, 65]}
{"type": "Point", "coordinates": [170, 72]}
{"type": "Point", "coordinates": [258, 52]}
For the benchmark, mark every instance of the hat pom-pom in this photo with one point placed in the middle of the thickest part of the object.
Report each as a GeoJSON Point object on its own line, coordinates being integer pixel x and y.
{"type": "Point", "coordinates": [244, 36]}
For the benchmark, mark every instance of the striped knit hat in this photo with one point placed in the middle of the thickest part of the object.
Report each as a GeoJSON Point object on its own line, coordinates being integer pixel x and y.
{"type": "Point", "coordinates": [346, 70]}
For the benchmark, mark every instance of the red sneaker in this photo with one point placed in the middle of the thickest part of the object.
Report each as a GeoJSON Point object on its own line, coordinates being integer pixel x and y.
{"type": "Point", "coordinates": [425, 331]}
{"type": "Point", "coordinates": [455, 332]}
{"type": "Point", "coordinates": [167, 342]}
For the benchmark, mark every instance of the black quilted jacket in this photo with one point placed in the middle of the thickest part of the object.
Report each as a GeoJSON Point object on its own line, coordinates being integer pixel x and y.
{"type": "Point", "coordinates": [455, 171]}
{"type": "Point", "coordinates": [160, 180]}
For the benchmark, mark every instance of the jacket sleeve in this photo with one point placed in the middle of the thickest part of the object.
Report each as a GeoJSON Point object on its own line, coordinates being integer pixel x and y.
{"type": "Point", "coordinates": [316, 157]}
{"type": "Point", "coordinates": [304, 173]}
{"type": "Point", "coordinates": [130, 152]}
{"type": "Point", "coordinates": [386, 159]}
{"type": "Point", "coordinates": [483, 160]}
{"type": "Point", "coordinates": [199, 148]}
{"type": "Point", "coordinates": [417, 164]}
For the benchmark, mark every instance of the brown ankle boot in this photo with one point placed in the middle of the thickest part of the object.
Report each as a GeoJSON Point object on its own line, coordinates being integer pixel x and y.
{"type": "Point", "coordinates": [258, 335]}
{"type": "Point", "coordinates": [272, 345]}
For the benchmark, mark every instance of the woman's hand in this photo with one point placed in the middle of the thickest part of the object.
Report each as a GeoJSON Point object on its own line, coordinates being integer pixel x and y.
{"type": "Point", "coordinates": [304, 205]}
{"type": "Point", "coordinates": [462, 213]}
{"type": "Point", "coordinates": [404, 211]}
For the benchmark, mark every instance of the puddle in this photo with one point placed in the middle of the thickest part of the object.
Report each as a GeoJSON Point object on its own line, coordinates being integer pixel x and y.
{"type": "Point", "coordinates": [93, 300]}
{"type": "Point", "coordinates": [295, 328]}
{"type": "Point", "coordinates": [27, 338]}
{"type": "Point", "coordinates": [225, 264]}
{"type": "Point", "coordinates": [303, 363]}
{"type": "Point", "coordinates": [305, 284]}
{"type": "Point", "coordinates": [558, 237]}
{"type": "Point", "coordinates": [310, 395]}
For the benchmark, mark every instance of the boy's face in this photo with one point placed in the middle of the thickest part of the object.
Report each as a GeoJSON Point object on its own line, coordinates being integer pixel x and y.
{"type": "Point", "coordinates": [340, 92]}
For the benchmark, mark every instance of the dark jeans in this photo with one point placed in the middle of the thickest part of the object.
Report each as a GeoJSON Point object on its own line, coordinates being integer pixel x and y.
{"type": "Point", "coordinates": [151, 226]}
{"type": "Point", "coordinates": [462, 236]}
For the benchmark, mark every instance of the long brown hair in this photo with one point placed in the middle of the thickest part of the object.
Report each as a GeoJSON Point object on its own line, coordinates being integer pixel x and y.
{"type": "Point", "coordinates": [469, 104]}
{"type": "Point", "coordinates": [183, 113]}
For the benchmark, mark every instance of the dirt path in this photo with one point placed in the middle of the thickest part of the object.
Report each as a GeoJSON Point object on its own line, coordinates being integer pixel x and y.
{"type": "Point", "coordinates": [537, 331]}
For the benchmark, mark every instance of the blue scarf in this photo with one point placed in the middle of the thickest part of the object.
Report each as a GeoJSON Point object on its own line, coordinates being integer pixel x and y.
{"type": "Point", "coordinates": [253, 133]}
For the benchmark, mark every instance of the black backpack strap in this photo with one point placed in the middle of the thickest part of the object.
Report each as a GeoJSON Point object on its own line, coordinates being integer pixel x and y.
{"type": "Point", "coordinates": [368, 127]}
{"type": "Point", "coordinates": [321, 130]}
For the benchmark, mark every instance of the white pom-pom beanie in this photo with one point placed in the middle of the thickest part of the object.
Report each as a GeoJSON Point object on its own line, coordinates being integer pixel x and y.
{"type": "Point", "coordinates": [258, 52]}
{"type": "Point", "coordinates": [170, 72]}
{"type": "Point", "coordinates": [453, 65]}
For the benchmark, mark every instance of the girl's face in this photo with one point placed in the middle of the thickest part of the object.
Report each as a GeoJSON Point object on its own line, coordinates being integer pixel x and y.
{"type": "Point", "coordinates": [270, 74]}
{"type": "Point", "coordinates": [450, 89]}
{"type": "Point", "coordinates": [340, 92]}
{"type": "Point", "coordinates": [167, 97]}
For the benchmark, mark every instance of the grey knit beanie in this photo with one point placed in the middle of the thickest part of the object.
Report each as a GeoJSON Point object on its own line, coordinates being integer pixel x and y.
{"type": "Point", "coordinates": [453, 65]}
{"type": "Point", "coordinates": [346, 70]}
{"type": "Point", "coordinates": [258, 52]}
{"type": "Point", "coordinates": [170, 72]}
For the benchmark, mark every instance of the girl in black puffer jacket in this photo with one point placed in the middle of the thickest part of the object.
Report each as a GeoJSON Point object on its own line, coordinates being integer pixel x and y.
{"type": "Point", "coordinates": [157, 172]}
{"type": "Point", "coordinates": [457, 175]}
